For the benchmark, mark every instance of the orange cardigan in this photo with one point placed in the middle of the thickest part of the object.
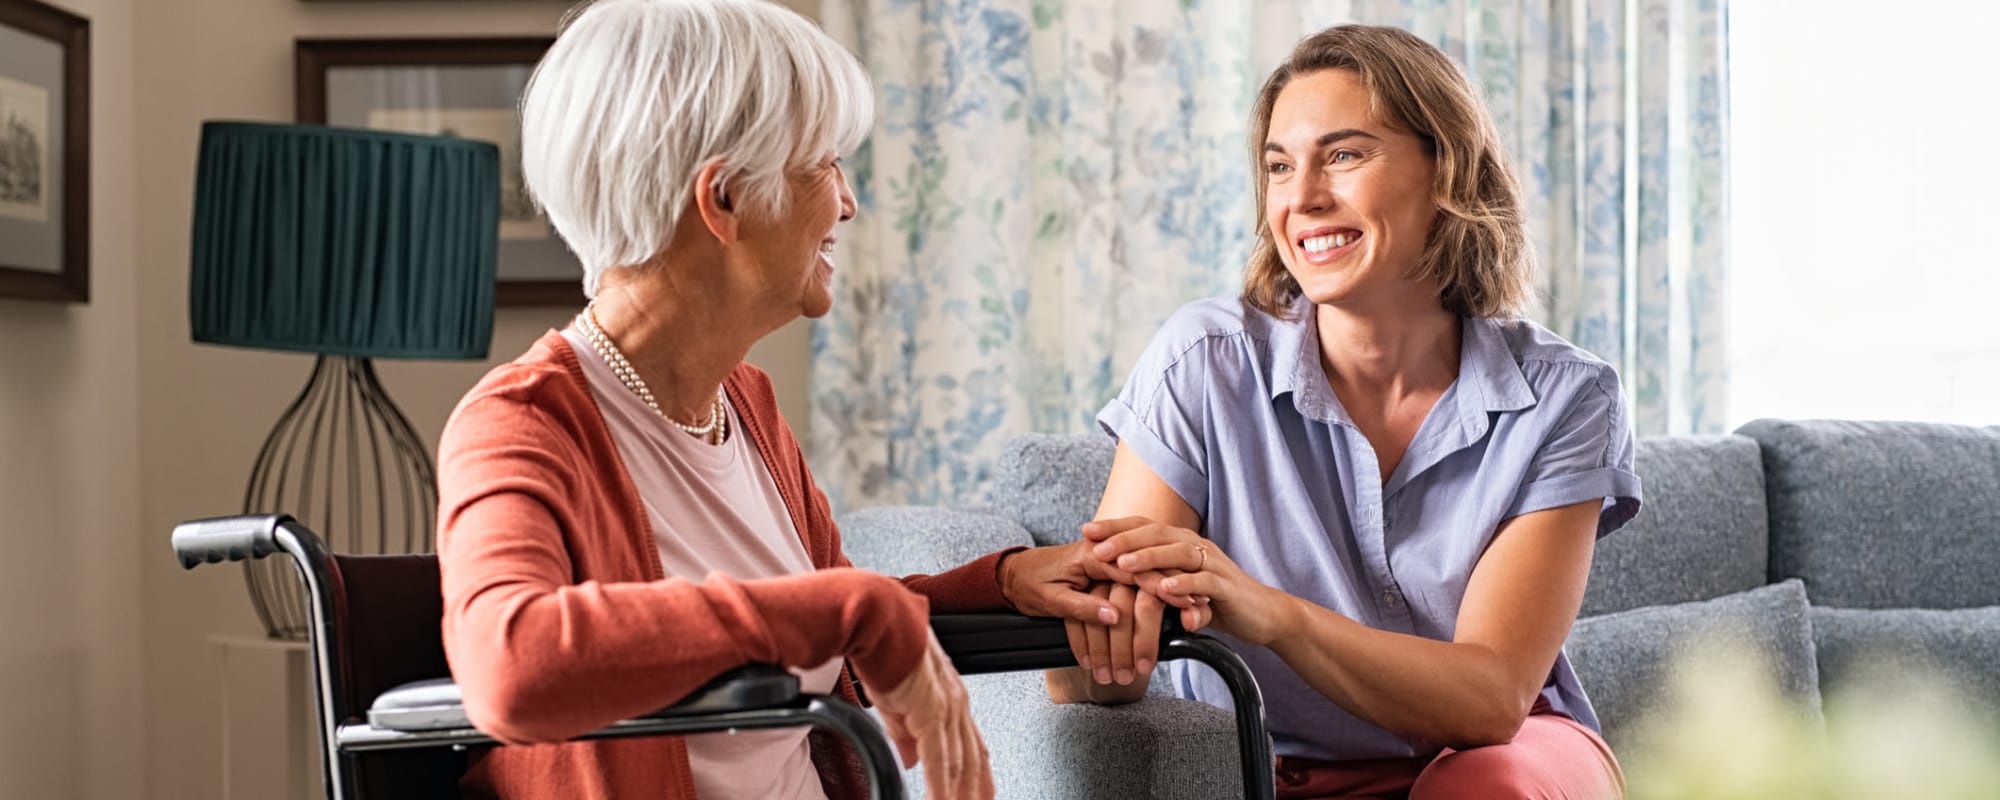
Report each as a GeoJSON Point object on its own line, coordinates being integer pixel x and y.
{"type": "Point", "coordinates": [558, 619]}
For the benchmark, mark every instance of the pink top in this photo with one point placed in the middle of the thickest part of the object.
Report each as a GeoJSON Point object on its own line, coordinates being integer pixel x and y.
{"type": "Point", "coordinates": [726, 517]}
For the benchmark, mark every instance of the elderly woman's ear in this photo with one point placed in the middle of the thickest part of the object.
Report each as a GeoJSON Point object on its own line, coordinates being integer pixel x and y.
{"type": "Point", "coordinates": [712, 203]}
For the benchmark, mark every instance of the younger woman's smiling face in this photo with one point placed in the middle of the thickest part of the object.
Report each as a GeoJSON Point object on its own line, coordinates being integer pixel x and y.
{"type": "Point", "coordinates": [1347, 197]}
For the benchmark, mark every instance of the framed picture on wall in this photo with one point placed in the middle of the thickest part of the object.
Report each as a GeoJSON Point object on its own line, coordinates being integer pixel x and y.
{"type": "Point", "coordinates": [44, 153]}
{"type": "Point", "coordinates": [469, 87]}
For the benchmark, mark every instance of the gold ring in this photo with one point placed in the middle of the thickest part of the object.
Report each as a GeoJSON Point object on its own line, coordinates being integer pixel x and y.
{"type": "Point", "coordinates": [1203, 552]}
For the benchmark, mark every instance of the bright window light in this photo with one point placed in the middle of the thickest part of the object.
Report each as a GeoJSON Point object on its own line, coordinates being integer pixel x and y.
{"type": "Point", "coordinates": [1865, 207]}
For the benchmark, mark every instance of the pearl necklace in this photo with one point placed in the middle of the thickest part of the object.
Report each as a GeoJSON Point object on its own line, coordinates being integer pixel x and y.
{"type": "Point", "coordinates": [714, 431]}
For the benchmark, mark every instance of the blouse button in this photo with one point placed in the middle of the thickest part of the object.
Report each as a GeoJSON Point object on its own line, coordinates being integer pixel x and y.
{"type": "Point", "coordinates": [1389, 598]}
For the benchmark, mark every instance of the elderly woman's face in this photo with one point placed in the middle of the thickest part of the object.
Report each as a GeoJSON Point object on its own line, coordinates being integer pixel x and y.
{"type": "Point", "coordinates": [795, 249]}
{"type": "Point", "coordinates": [1347, 197]}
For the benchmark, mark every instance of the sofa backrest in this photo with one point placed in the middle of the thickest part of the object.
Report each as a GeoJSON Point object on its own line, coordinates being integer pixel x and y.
{"type": "Point", "coordinates": [1701, 532]}
{"type": "Point", "coordinates": [1884, 514]}
{"type": "Point", "coordinates": [1050, 483]}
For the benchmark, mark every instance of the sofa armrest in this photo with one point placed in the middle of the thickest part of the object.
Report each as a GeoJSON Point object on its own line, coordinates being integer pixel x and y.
{"type": "Point", "coordinates": [1004, 642]}
{"type": "Point", "coordinates": [907, 540]}
{"type": "Point", "coordinates": [1159, 747]}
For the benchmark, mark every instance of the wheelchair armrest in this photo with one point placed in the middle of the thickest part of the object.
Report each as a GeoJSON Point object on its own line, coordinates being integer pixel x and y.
{"type": "Point", "coordinates": [435, 704]}
{"type": "Point", "coordinates": [1006, 641]}
{"type": "Point", "coordinates": [977, 640]}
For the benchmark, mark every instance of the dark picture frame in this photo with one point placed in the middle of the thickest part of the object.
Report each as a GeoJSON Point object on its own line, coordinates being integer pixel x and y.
{"type": "Point", "coordinates": [44, 153]}
{"type": "Point", "coordinates": [465, 86]}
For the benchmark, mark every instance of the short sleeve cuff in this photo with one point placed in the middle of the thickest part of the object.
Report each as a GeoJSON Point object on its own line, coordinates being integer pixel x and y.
{"type": "Point", "coordinates": [1119, 420]}
{"type": "Point", "coordinates": [1619, 488]}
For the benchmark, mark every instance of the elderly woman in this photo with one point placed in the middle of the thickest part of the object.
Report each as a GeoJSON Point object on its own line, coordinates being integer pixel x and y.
{"type": "Point", "coordinates": [1378, 484]}
{"type": "Point", "coordinates": [624, 515]}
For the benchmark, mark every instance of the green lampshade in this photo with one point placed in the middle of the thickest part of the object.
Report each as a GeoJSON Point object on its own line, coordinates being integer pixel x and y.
{"type": "Point", "coordinates": [344, 241]}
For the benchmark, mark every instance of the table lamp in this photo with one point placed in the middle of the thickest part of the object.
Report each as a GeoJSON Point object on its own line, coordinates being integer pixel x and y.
{"type": "Point", "coordinates": [352, 245]}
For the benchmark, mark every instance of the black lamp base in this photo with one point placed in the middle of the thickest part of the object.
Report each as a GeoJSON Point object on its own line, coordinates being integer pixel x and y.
{"type": "Point", "coordinates": [343, 460]}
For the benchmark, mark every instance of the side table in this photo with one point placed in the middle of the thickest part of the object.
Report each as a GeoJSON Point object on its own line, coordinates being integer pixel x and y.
{"type": "Point", "coordinates": [269, 740]}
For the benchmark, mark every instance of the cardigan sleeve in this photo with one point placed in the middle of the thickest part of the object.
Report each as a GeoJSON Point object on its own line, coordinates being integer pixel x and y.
{"type": "Point", "coordinates": [542, 653]}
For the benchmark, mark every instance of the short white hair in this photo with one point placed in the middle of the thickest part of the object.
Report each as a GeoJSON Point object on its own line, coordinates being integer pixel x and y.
{"type": "Point", "coordinates": [637, 97]}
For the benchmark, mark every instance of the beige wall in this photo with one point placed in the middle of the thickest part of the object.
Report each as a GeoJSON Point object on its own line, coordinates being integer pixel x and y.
{"type": "Point", "coordinates": [203, 410]}
{"type": "Point", "coordinates": [69, 473]}
{"type": "Point", "coordinates": [113, 426]}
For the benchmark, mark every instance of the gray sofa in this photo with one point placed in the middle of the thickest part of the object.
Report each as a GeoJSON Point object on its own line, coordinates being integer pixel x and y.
{"type": "Point", "coordinates": [1826, 543]}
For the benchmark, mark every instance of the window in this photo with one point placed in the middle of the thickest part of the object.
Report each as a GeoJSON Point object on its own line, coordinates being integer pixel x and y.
{"type": "Point", "coordinates": [1865, 211]}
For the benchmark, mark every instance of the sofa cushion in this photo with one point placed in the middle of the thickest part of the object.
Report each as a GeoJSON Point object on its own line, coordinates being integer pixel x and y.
{"type": "Point", "coordinates": [1702, 534]}
{"type": "Point", "coordinates": [1051, 483]}
{"type": "Point", "coordinates": [1625, 660]}
{"type": "Point", "coordinates": [1960, 645]}
{"type": "Point", "coordinates": [1884, 514]}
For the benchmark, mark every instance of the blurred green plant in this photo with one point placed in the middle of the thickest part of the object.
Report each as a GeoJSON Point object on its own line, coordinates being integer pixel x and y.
{"type": "Point", "coordinates": [1901, 730]}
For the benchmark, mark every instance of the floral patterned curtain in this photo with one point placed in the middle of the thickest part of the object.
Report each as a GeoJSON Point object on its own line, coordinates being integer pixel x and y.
{"type": "Point", "coordinates": [1049, 179]}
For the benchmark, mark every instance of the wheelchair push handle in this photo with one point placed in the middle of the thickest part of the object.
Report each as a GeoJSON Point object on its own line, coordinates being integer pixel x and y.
{"type": "Point", "coordinates": [218, 539]}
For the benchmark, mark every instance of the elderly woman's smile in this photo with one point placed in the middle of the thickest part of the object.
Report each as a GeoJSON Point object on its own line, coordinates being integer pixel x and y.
{"type": "Point", "coordinates": [804, 263]}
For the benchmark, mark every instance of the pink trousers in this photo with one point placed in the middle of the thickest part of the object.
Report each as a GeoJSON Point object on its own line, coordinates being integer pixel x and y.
{"type": "Point", "coordinates": [1552, 757]}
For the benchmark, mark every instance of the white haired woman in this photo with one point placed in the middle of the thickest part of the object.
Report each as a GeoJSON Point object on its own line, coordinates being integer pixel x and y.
{"type": "Point", "coordinates": [624, 514]}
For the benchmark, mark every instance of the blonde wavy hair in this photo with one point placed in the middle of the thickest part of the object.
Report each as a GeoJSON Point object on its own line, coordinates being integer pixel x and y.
{"type": "Point", "coordinates": [1477, 252]}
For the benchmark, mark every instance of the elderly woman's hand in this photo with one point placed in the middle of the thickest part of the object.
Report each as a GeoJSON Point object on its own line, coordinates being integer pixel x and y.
{"type": "Point", "coordinates": [1122, 652]}
{"type": "Point", "coordinates": [930, 721]}
{"type": "Point", "coordinates": [1055, 581]}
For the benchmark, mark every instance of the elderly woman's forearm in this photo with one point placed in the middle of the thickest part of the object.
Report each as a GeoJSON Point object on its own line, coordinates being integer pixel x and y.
{"type": "Point", "coordinates": [541, 662]}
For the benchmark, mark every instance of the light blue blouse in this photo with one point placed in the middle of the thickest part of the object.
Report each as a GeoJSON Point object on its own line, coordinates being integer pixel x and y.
{"type": "Point", "coordinates": [1231, 407]}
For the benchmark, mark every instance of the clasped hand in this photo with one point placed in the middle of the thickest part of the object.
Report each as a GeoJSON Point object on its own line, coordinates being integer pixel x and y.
{"type": "Point", "coordinates": [1150, 567]}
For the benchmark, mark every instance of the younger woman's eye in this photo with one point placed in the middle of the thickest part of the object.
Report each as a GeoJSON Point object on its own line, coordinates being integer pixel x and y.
{"type": "Point", "coordinates": [1275, 168]}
